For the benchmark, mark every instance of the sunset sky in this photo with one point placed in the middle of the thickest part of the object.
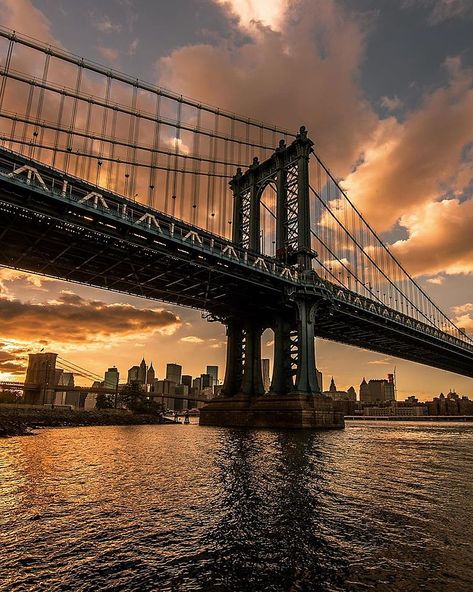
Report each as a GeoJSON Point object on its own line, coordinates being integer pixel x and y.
{"type": "Point", "coordinates": [385, 88]}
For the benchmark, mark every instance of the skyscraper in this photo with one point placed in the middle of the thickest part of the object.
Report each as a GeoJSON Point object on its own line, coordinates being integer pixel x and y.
{"type": "Point", "coordinates": [150, 375]}
{"type": "Point", "coordinates": [133, 374]}
{"type": "Point", "coordinates": [111, 378]}
{"type": "Point", "coordinates": [213, 372]}
{"type": "Point", "coordinates": [187, 380]}
{"type": "Point", "coordinates": [205, 381]}
{"type": "Point", "coordinates": [142, 372]}
{"type": "Point", "coordinates": [320, 380]}
{"type": "Point", "coordinates": [265, 372]}
{"type": "Point", "coordinates": [173, 373]}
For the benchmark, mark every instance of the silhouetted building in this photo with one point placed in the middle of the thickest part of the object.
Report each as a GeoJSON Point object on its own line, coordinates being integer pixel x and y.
{"type": "Point", "coordinates": [91, 398]}
{"type": "Point", "coordinates": [173, 373]}
{"type": "Point", "coordinates": [150, 377]}
{"type": "Point", "coordinates": [212, 371]}
{"type": "Point", "coordinates": [205, 381]}
{"type": "Point", "coordinates": [377, 390]}
{"type": "Point", "coordinates": [65, 379]}
{"type": "Point", "coordinates": [365, 394]}
{"type": "Point", "coordinates": [337, 395]}
{"type": "Point", "coordinates": [111, 378]}
{"type": "Point", "coordinates": [351, 394]}
{"type": "Point", "coordinates": [186, 379]}
{"type": "Point", "coordinates": [320, 380]}
{"type": "Point", "coordinates": [265, 372]}
{"type": "Point", "coordinates": [163, 388]}
{"type": "Point", "coordinates": [142, 370]}
{"type": "Point", "coordinates": [74, 398]}
{"type": "Point", "coordinates": [133, 374]}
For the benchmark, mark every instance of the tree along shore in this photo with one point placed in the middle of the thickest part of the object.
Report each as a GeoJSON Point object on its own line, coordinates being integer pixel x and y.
{"type": "Point", "coordinates": [21, 420]}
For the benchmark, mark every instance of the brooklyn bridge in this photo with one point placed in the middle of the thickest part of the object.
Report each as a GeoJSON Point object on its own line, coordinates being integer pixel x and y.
{"type": "Point", "coordinates": [115, 183]}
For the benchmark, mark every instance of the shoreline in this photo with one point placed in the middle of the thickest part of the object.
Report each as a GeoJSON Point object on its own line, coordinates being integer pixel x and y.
{"type": "Point", "coordinates": [18, 421]}
{"type": "Point", "coordinates": [419, 418]}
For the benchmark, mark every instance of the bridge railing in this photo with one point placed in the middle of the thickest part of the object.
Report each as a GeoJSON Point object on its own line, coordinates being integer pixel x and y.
{"type": "Point", "coordinates": [345, 296]}
{"type": "Point", "coordinates": [112, 207]}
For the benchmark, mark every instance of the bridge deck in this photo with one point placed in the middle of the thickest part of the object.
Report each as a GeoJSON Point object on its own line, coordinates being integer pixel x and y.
{"type": "Point", "coordinates": [79, 233]}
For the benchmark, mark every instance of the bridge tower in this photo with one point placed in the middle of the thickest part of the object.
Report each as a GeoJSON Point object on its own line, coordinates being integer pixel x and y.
{"type": "Point", "coordinates": [295, 399]}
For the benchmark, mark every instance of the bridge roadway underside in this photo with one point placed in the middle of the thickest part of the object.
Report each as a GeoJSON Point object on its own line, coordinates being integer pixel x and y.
{"type": "Point", "coordinates": [54, 238]}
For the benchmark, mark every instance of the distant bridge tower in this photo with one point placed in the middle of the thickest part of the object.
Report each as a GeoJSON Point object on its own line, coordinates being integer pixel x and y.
{"type": "Point", "coordinates": [295, 395]}
{"type": "Point", "coordinates": [41, 372]}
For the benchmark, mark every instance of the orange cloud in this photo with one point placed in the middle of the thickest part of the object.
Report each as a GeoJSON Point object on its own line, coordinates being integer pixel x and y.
{"type": "Point", "coordinates": [191, 339]}
{"type": "Point", "coordinates": [268, 13]}
{"type": "Point", "coordinates": [108, 53]}
{"type": "Point", "coordinates": [409, 164]}
{"type": "Point", "coordinates": [464, 316]}
{"type": "Point", "coordinates": [73, 319]}
{"type": "Point", "coordinates": [305, 72]}
{"type": "Point", "coordinates": [439, 238]}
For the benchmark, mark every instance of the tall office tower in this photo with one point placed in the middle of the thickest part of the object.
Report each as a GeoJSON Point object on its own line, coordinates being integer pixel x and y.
{"type": "Point", "coordinates": [42, 372]}
{"type": "Point", "coordinates": [174, 372]}
{"type": "Point", "coordinates": [320, 380]}
{"type": "Point", "coordinates": [150, 375]}
{"type": "Point", "coordinates": [142, 372]}
{"type": "Point", "coordinates": [63, 397]}
{"type": "Point", "coordinates": [111, 378]}
{"type": "Point", "coordinates": [133, 374]}
{"type": "Point", "coordinates": [390, 388]}
{"type": "Point", "coordinates": [186, 379]}
{"type": "Point", "coordinates": [205, 381]}
{"type": "Point", "coordinates": [197, 385]}
{"type": "Point", "coordinates": [365, 393]}
{"type": "Point", "coordinates": [213, 372]}
{"type": "Point", "coordinates": [265, 371]}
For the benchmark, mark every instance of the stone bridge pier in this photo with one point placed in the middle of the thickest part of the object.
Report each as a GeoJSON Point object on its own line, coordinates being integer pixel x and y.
{"type": "Point", "coordinates": [294, 399]}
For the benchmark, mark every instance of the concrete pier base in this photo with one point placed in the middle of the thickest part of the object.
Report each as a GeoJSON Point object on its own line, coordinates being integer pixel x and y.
{"type": "Point", "coordinates": [294, 411]}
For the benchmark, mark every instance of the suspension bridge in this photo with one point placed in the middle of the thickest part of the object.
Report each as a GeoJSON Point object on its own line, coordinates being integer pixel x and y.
{"type": "Point", "coordinates": [115, 183]}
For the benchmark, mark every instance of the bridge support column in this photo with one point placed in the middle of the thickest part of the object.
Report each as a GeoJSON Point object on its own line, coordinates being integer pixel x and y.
{"type": "Point", "coordinates": [282, 381]}
{"type": "Point", "coordinates": [252, 384]}
{"type": "Point", "coordinates": [306, 377]}
{"type": "Point", "coordinates": [232, 383]}
{"type": "Point", "coordinates": [288, 405]}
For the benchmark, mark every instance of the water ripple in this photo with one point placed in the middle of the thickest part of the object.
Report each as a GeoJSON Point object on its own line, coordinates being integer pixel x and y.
{"type": "Point", "coordinates": [383, 507]}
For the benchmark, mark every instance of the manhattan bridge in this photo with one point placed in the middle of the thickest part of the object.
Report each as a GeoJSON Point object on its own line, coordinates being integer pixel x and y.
{"type": "Point", "coordinates": [115, 183]}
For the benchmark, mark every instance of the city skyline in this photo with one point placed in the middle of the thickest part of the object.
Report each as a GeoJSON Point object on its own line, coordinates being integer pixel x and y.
{"type": "Point", "coordinates": [99, 328]}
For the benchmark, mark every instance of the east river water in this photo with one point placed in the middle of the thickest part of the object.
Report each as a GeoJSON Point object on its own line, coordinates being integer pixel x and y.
{"type": "Point", "coordinates": [378, 506]}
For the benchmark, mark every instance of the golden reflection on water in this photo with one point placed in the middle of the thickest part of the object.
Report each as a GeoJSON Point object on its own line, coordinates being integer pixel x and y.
{"type": "Point", "coordinates": [142, 507]}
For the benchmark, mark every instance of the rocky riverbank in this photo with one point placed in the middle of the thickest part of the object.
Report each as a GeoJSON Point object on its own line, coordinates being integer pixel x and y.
{"type": "Point", "coordinates": [20, 421]}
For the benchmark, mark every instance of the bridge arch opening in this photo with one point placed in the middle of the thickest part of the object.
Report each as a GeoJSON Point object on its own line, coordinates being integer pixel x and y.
{"type": "Point", "coordinates": [267, 212]}
{"type": "Point", "coordinates": [267, 358]}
